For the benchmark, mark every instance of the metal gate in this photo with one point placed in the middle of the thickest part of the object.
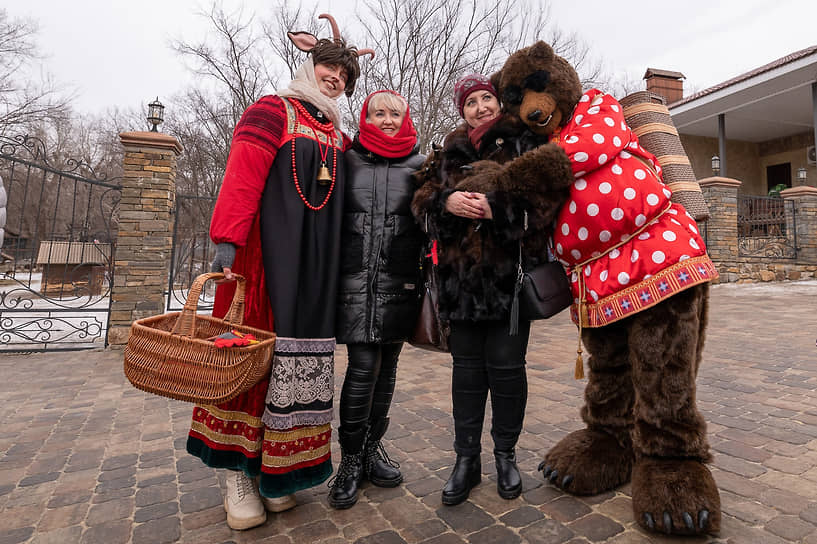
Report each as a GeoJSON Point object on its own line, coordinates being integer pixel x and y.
{"type": "Point", "coordinates": [56, 264]}
{"type": "Point", "coordinates": [192, 251]}
{"type": "Point", "coordinates": [767, 227]}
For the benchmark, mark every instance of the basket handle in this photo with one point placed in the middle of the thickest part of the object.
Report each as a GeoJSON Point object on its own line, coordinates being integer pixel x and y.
{"type": "Point", "coordinates": [186, 323]}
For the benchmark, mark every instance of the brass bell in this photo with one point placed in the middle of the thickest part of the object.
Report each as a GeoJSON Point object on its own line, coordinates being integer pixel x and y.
{"type": "Point", "coordinates": [324, 177]}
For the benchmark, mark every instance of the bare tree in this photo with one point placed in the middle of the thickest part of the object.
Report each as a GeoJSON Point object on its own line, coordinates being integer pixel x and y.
{"type": "Point", "coordinates": [423, 47]}
{"type": "Point", "coordinates": [24, 100]}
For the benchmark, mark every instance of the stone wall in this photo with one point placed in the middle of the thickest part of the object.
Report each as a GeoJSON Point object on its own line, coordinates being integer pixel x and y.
{"type": "Point", "coordinates": [722, 235]}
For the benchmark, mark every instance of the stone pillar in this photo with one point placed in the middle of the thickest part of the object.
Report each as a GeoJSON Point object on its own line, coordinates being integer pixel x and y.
{"type": "Point", "coordinates": [805, 206]}
{"type": "Point", "coordinates": [145, 234]}
{"type": "Point", "coordinates": [721, 196]}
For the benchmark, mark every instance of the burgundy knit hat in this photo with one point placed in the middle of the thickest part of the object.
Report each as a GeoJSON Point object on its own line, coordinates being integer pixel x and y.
{"type": "Point", "coordinates": [468, 84]}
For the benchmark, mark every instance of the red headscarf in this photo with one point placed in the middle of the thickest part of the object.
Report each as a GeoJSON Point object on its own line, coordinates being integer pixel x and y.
{"type": "Point", "coordinates": [380, 143]}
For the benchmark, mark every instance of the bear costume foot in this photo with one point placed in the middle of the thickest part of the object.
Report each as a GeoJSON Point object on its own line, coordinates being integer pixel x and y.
{"type": "Point", "coordinates": [587, 462]}
{"type": "Point", "coordinates": [675, 496]}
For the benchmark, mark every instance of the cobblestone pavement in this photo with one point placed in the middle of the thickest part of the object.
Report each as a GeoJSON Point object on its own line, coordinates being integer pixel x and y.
{"type": "Point", "coordinates": [84, 457]}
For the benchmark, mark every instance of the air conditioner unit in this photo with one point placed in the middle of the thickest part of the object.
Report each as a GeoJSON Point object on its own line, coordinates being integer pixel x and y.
{"type": "Point", "coordinates": [811, 155]}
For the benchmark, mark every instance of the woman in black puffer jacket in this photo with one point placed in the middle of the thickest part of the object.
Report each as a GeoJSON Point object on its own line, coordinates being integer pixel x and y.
{"type": "Point", "coordinates": [379, 285]}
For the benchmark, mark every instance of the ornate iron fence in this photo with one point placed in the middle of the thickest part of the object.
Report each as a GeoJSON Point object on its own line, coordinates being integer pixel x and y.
{"type": "Point", "coordinates": [56, 268]}
{"type": "Point", "coordinates": [192, 250]}
{"type": "Point", "coordinates": [766, 227]}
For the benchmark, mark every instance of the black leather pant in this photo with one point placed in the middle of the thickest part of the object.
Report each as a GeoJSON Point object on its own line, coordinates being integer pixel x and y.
{"type": "Point", "coordinates": [487, 358]}
{"type": "Point", "coordinates": [367, 390]}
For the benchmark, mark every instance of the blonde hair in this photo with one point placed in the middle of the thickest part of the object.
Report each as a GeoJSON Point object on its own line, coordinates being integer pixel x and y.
{"type": "Point", "coordinates": [384, 99]}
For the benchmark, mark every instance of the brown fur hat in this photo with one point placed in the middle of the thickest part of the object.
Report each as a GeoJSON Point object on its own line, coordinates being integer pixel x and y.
{"type": "Point", "coordinates": [538, 86]}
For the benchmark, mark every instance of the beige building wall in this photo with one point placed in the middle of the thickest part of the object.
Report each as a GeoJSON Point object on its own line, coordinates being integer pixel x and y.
{"type": "Point", "coordinates": [742, 158]}
{"type": "Point", "coordinates": [791, 149]}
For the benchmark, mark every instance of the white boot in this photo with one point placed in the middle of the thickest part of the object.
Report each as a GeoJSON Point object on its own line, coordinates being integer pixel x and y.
{"type": "Point", "coordinates": [279, 504]}
{"type": "Point", "coordinates": [243, 503]}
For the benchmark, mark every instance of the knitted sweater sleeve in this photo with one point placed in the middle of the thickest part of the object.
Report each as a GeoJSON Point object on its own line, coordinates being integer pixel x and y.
{"type": "Point", "coordinates": [256, 140]}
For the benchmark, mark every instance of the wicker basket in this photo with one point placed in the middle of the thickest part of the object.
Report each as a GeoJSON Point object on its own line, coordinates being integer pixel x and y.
{"type": "Point", "coordinates": [170, 354]}
{"type": "Point", "coordinates": [650, 120]}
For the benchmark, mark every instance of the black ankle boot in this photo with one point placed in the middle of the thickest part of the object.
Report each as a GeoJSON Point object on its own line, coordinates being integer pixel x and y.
{"type": "Point", "coordinates": [467, 473]}
{"type": "Point", "coordinates": [343, 487]}
{"type": "Point", "coordinates": [508, 481]}
{"type": "Point", "coordinates": [377, 465]}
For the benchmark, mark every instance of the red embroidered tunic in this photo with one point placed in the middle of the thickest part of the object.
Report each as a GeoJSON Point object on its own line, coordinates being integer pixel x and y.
{"type": "Point", "coordinates": [289, 253]}
{"type": "Point", "coordinates": [626, 246]}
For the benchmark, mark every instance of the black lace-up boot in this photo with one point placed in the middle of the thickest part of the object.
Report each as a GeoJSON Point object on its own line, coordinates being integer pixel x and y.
{"type": "Point", "coordinates": [343, 487]}
{"type": "Point", "coordinates": [378, 467]}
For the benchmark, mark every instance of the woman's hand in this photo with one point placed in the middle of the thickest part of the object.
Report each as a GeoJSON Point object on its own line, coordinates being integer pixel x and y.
{"type": "Point", "coordinates": [466, 204]}
{"type": "Point", "coordinates": [484, 205]}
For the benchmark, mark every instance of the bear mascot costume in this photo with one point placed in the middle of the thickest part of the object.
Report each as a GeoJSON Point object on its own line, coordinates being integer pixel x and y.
{"type": "Point", "coordinates": [639, 273]}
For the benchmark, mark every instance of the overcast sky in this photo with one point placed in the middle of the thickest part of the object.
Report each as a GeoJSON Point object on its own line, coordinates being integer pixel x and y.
{"type": "Point", "coordinates": [116, 53]}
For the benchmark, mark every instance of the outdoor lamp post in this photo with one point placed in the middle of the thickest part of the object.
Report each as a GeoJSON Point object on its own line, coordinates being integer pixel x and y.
{"type": "Point", "coordinates": [801, 176]}
{"type": "Point", "coordinates": [716, 166]}
{"type": "Point", "coordinates": [155, 114]}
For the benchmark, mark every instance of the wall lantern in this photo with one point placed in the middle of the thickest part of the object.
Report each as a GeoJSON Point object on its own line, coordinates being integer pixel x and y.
{"type": "Point", "coordinates": [801, 176]}
{"type": "Point", "coordinates": [716, 166]}
{"type": "Point", "coordinates": [155, 114]}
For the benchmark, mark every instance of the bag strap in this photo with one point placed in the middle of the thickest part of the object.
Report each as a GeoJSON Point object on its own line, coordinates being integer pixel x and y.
{"type": "Point", "coordinates": [513, 329]}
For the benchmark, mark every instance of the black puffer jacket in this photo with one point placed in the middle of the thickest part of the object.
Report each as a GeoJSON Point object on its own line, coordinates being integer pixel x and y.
{"type": "Point", "coordinates": [380, 251]}
{"type": "Point", "coordinates": [478, 258]}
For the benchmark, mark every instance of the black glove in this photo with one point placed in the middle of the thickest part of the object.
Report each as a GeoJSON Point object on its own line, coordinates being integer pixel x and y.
{"type": "Point", "coordinates": [225, 255]}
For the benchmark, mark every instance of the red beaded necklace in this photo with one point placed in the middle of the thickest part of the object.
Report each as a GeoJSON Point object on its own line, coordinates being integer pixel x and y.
{"type": "Point", "coordinates": [327, 129]}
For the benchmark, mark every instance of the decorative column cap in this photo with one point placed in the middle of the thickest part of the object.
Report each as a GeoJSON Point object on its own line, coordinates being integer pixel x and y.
{"type": "Point", "coordinates": [150, 139]}
{"type": "Point", "coordinates": [802, 190]}
{"type": "Point", "coordinates": [718, 181]}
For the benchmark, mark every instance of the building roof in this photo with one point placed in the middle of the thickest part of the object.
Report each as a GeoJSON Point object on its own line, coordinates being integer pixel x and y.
{"type": "Point", "coordinates": [791, 57]}
{"type": "Point", "coordinates": [769, 102]}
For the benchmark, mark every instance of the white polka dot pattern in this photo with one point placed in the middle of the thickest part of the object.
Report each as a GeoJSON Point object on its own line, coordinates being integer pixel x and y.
{"type": "Point", "coordinates": [616, 214]}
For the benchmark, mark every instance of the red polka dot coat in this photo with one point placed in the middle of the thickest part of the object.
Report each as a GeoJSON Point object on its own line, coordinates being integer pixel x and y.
{"type": "Point", "coordinates": [626, 245]}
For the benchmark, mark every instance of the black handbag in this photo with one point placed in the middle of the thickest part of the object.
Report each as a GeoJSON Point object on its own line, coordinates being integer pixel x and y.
{"type": "Point", "coordinates": [540, 292]}
{"type": "Point", "coordinates": [429, 331]}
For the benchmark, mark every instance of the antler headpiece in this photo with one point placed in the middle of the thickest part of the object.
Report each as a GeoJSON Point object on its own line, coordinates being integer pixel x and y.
{"type": "Point", "coordinates": [306, 41]}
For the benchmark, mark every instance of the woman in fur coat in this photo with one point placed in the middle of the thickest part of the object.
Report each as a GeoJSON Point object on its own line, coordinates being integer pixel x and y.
{"type": "Point", "coordinates": [479, 231]}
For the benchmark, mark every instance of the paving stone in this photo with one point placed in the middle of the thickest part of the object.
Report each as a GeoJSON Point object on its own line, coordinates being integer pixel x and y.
{"type": "Point", "coordinates": [110, 511]}
{"type": "Point", "coordinates": [156, 511]}
{"type": "Point", "coordinates": [494, 535]}
{"type": "Point", "coordinates": [37, 479]}
{"type": "Point", "coordinates": [596, 527]}
{"type": "Point", "coordinates": [112, 532]}
{"type": "Point", "coordinates": [65, 499]}
{"type": "Point", "coordinates": [163, 479]}
{"type": "Point", "coordinates": [446, 538]}
{"type": "Point", "coordinates": [546, 531]}
{"type": "Point", "coordinates": [156, 494]}
{"type": "Point", "coordinates": [424, 530]}
{"type": "Point", "coordinates": [117, 474]}
{"type": "Point", "coordinates": [464, 518]}
{"type": "Point", "coordinates": [14, 536]}
{"type": "Point", "coordinates": [566, 508]}
{"type": "Point", "coordinates": [383, 537]}
{"type": "Point", "coordinates": [59, 518]}
{"type": "Point", "coordinates": [521, 517]}
{"type": "Point", "coordinates": [58, 536]}
{"type": "Point", "coordinates": [158, 531]}
{"type": "Point", "coordinates": [120, 461]}
{"type": "Point", "coordinates": [789, 527]}
{"type": "Point", "coordinates": [200, 500]}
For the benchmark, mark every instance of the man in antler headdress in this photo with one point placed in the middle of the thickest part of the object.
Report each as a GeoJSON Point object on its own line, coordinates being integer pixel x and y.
{"type": "Point", "coordinates": [277, 222]}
